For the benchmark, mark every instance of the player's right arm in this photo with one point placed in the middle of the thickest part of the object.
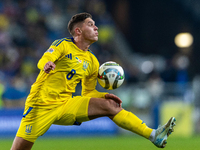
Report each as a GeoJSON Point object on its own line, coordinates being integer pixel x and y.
{"type": "Point", "coordinates": [49, 66]}
{"type": "Point", "coordinates": [46, 63]}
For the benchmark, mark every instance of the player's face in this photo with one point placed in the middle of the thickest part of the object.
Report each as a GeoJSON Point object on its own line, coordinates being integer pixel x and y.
{"type": "Point", "coordinates": [89, 30]}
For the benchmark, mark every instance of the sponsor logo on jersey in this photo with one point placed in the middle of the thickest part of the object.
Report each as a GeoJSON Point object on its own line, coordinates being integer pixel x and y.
{"type": "Point", "coordinates": [28, 129]}
{"type": "Point", "coordinates": [50, 50]}
{"type": "Point", "coordinates": [85, 65]}
{"type": "Point", "coordinates": [69, 56]}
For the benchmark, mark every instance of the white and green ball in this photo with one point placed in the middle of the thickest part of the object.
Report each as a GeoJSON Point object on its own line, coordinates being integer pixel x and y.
{"type": "Point", "coordinates": [111, 75]}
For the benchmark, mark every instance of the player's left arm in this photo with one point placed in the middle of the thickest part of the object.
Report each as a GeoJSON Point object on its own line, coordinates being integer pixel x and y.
{"type": "Point", "coordinates": [89, 83]}
{"type": "Point", "coordinates": [89, 87]}
{"type": "Point", "coordinates": [115, 98]}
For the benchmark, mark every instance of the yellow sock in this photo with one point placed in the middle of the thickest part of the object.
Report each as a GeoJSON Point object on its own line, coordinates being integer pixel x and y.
{"type": "Point", "coordinates": [129, 121]}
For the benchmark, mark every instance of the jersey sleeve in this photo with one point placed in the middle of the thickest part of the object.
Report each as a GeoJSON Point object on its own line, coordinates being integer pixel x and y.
{"type": "Point", "coordinates": [89, 85]}
{"type": "Point", "coordinates": [52, 54]}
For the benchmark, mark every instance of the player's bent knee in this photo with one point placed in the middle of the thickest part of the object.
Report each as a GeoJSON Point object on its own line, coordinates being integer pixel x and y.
{"type": "Point", "coordinates": [112, 107]}
{"type": "Point", "coordinates": [99, 107]}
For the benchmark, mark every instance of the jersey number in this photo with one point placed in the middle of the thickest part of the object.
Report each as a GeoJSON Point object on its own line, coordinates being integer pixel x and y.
{"type": "Point", "coordinates": [71, 74]}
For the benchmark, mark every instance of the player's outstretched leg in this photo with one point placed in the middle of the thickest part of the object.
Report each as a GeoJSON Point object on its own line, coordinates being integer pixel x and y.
{"type": "Point", "coordinates": [163, 132]}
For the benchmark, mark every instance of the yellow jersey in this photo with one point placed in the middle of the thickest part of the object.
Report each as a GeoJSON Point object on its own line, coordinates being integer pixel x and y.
{"type": "Point", "coordinates": [72, 66]}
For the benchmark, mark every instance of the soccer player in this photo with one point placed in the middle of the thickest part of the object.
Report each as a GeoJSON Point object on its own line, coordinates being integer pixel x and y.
{"type": "Point", "coordinates": [67, 62]}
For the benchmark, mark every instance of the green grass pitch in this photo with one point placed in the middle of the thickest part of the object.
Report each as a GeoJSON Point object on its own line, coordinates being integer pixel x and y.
{"type": "Point", "coordinates": [107, 143]}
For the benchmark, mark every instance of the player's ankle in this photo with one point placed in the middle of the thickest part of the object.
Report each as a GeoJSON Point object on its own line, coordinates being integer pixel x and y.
{"type": "Point", "coordinates": [152, 135]}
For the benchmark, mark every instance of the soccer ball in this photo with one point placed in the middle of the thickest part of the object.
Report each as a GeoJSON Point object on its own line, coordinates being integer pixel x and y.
{"type": "Point", "coordinates": [111, 75]}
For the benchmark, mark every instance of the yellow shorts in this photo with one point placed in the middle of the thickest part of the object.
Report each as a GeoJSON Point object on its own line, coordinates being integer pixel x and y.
{"type": "Point", "coordinates": [36, 121]}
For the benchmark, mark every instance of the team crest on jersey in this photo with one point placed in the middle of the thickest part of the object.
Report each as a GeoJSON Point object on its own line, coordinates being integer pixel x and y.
{"type": "Point", "coordinates": [85, 65]}
{"type": "Point", "coordinates": [78, 60]}
{"type": "Point", "coordinates": [28, 129]}
{"type": "Point", "coordinates": [50, 50]}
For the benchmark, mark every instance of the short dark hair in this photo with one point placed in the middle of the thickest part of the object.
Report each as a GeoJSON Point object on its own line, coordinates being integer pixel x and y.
{"type": "Point", "coordinates": [76, 19]}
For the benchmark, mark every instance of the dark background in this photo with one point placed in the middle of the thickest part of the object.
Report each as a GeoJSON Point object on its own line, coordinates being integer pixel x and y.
{"type": "Point", "coordinates": [151, 26]}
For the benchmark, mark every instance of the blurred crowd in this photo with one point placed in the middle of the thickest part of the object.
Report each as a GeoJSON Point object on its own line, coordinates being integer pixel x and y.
{"type": "Point", "coordinates": [27, 29]}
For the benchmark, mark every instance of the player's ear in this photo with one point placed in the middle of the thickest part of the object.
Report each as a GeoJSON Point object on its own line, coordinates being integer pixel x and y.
{"type": "Point", "coordinates": [78, 31]}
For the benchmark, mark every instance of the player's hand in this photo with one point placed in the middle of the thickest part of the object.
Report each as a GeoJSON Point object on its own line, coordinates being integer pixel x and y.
{"type": "Point", "coordinates": [49, 66]}
{"type": "Point", "coordinates": [115, 98]}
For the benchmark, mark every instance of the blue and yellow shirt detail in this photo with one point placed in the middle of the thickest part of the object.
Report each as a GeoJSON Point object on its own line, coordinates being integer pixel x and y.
{"type": "Point", "coordinates": [72, 66]}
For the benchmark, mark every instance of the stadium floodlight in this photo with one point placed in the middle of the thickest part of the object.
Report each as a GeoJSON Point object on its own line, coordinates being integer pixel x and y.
{"type": "Point", "coordinates": [183, 40]}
